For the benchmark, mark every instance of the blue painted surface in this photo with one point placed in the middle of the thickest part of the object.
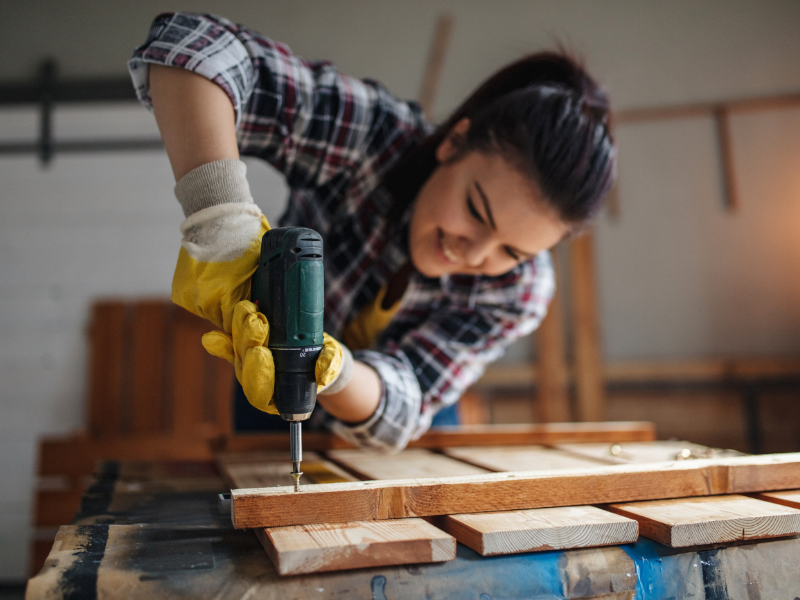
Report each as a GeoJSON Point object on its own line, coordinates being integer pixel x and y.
{"type": "Point", "coordinates": [649, 569]}
{"type": "Point", "coordinates": [513, 577]}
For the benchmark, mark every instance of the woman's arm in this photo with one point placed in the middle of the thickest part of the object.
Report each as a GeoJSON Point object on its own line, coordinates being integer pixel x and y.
{"type": "Point", "coordinates": [195, 117]}
{"type": "Point", "coordinates": [308, 120]}
{"type": "Point", "coordinates": [359, 399]}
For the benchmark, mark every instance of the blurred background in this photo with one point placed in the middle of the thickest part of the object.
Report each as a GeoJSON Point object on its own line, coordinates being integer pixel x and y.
{"type": "Point", "coordinates": [697, 284]}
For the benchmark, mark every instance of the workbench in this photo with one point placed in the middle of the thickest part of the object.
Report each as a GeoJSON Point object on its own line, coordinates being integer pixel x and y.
{"type": "Point", "coordinates": [154, 530]}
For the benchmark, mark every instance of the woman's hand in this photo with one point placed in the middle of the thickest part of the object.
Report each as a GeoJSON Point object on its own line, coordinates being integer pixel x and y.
{"type": "Point", "coordinates": [246, 349]}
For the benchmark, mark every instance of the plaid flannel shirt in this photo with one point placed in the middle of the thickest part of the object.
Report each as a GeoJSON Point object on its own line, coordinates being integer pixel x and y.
{"type": "Point", "coordinates": [334, 137]}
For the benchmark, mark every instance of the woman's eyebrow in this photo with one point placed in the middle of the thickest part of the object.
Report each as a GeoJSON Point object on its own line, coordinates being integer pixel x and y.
{"type": "Point", "coordinates": [486, 205]}
{"type": "Point", "coordinates": [492, 223]}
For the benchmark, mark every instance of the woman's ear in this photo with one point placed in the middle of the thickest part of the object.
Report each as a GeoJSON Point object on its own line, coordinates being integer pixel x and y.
{"type": "Point", "coordinates": [453, 142]}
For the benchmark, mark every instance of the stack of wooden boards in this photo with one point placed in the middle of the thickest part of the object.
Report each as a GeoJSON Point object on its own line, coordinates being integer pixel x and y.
{"type": "Point", "coordinates": [358, 509]}
{"type": "Point", "coordinates": [153, 393]}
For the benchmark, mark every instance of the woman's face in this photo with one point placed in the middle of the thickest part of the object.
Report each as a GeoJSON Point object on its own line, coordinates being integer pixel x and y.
{"type": "Point", "coordinates": [478, 216]}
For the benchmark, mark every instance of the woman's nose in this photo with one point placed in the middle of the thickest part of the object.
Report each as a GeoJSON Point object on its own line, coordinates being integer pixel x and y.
{"type": "Point", "coordinates": [475, 251]}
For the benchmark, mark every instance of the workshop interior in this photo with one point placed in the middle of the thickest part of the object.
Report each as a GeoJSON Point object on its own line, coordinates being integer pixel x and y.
{"type": "Point", "coordinates": [656, 405]}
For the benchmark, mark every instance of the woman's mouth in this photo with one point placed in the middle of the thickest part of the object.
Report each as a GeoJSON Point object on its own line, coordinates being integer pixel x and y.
{"type": "Point", "coordinates": [447, 252]}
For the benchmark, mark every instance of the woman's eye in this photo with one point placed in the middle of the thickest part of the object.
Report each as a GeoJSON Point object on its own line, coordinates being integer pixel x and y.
{"type": "Point", "coordinates": [512, 254]}
{"type": "Point", "coordinates": [472, 210]}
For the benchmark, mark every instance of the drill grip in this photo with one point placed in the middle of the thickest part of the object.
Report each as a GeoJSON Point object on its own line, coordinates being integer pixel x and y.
{"type": "Point", "coordinates": [288, 288]}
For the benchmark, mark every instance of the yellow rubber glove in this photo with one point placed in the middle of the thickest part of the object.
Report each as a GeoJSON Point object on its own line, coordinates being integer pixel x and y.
{"type": "Point", "coordinates": [246, 349]}
{"type": "Point", "coordinates": [221, 242]}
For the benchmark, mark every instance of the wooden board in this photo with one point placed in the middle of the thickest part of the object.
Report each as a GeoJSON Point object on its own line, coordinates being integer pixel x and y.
{"type": "Point", "coordinates": [540, 529]}
{"type": "Point", "coordinates": [787, 498]}
{"type": "Point", "coordinates": [375, 500]}
{"type": "Point", "coordinates": [475, 435]}
{"type": "Point", "coordinates": [409, 464]}
{"type": "Point", "coordinates": [590, 391]}
{"type": "Point", "coordinates": [639, 452]}
{"type": "Point", "coordinates": [270, 469]}
{"type": "Point", "coordinates": [149, 385]}
{"type": "Point", "coordinates": [107, 339]}
{"type": "Point", "coordinates": [318, 548]}
{"type": "Point", "coordinates": [522, 458]}
{"type": "Point", "coordinates": [552, 386]}
{"type": "Point", "coordinates": [712, 520]}
{"type": "Point", "coordinates": [147, 477]}
{"type": "Point", "coordinates": [78, 455]}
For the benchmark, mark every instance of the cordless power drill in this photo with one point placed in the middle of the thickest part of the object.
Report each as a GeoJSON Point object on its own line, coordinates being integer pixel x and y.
{"type": "Point", "coordinates": [288, 288]}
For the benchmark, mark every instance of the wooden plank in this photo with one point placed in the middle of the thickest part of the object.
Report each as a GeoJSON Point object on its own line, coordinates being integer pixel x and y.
{"type": "Point", "coordinates": [476, 435]}
{"type": "Point", "coordinates": [705, 109]}
{"type": "Point", "coordinates": [106, 335]}
{"type": "Point", "coordinates": [725, 141]}
{"type": "Point", "coordinates": [711, 520]}
{"type": "Point", "coordinates": [543, 433]}
{"type": "Point", "coordinates": [409, 464]}
{"type": "Point", "coordinates": [552, 395]}
{"type": "Point", "coordinates": [145, 477]}
{"type": "Point", "coordinates": [589, 374]}
{"type": "Point", "coordinates": [539, 529]}
{"type": "Point", "coordinates": [148, 413]}
{"type": "Point", "coordinates": [334, 547]}
{"type": "Point", "coordinates": [473, 408]}
{"type": "Point", "coordinates": [189, 370]}
{"type": "Point", "coordinates": [638, 371]}
{"type": "Point", "coordinates": [522, 458]}
{"type": "Point", "coordinates": [57, 507]}
{"type": "Point", "coordinates": [79, 455]}
{"type": "Point", "coordinates": [787, 498]}
{"type": "Point", "coordinates": [222, 385]}
{"type": "Point", "coordinates": [269, 469]}
{"type": "Point", "coordinates": [375, 500]}
{"type": "Point", "coordinates": [433, 68]}
{"type": "Point", "coordinates": [642, 452]}
{"type": "Point", "coordinates": [612, 202]}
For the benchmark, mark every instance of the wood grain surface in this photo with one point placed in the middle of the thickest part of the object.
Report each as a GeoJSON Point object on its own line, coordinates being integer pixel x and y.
{"type": "Point", "coordinates": [637, 452]}
{"type": "Point", "coordinates": [375, 500]}
{"type": "Point", "coordinates": [523, 458]}
{"type": "Point", "coordinates": [413, 463]}
{"type": "Point", "coordinates": [590, 392]}
{"type": "Point", "coordinates": [333, 547]}
{"type": "Point", "coordinates": [712, 520]}
{"type": "Point", "coordinates": [540, 529]}
{"type": "Point", "coordinates": [787, 498]}
{"type": "Point", "coordinates": [270, 469]}
{"type": "Point", "coordinates": [552, 403]}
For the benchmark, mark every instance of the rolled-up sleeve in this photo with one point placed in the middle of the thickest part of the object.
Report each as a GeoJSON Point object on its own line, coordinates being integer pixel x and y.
{"type": "Point", "coordinates": [433, 363]}
{"type": "Point", "coordinates": [307, 119]}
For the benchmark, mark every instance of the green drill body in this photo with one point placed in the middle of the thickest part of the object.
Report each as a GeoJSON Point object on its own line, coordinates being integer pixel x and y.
{"type": "Point", "coordinates": [289, 289]}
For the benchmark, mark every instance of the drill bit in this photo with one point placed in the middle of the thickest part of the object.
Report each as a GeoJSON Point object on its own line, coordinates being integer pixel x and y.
{"type": "Point", "coordinates": [296, 445]}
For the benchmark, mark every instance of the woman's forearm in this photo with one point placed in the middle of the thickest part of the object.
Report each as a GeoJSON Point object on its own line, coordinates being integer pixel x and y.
{"type": "Point", "coordinates": [359, 399]}
{"type": "Point", "coordinates": [197, 123]}
{"type": "Point", "coordinates": [195, 116]}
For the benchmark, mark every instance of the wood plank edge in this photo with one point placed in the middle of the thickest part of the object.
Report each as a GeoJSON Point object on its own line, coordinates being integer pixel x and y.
{"type": "Point", "coordinates": [376, 500]}
{"type": "Point", "coordinates": [766, 497]}
{"type": "Point", "coordinates": [418, 551]}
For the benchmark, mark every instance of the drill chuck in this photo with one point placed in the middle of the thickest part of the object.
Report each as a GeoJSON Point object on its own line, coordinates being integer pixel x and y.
{"type": "Point", "coordinates": [295, 383]}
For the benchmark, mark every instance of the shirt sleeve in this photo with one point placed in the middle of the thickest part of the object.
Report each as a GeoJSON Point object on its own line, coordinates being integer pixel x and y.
{"type": "Point", "coordinates": [431, 365]}
{"type": "Point", "coordinates": [307, 119]}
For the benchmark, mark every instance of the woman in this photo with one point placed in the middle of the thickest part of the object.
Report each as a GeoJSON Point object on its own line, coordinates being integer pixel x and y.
{"type": "Point", "coordinates": [435, 240]}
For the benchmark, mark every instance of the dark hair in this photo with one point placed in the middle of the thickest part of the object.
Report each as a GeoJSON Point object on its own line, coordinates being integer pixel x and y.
{"type": "Point", "coordinates": [547, 116]}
